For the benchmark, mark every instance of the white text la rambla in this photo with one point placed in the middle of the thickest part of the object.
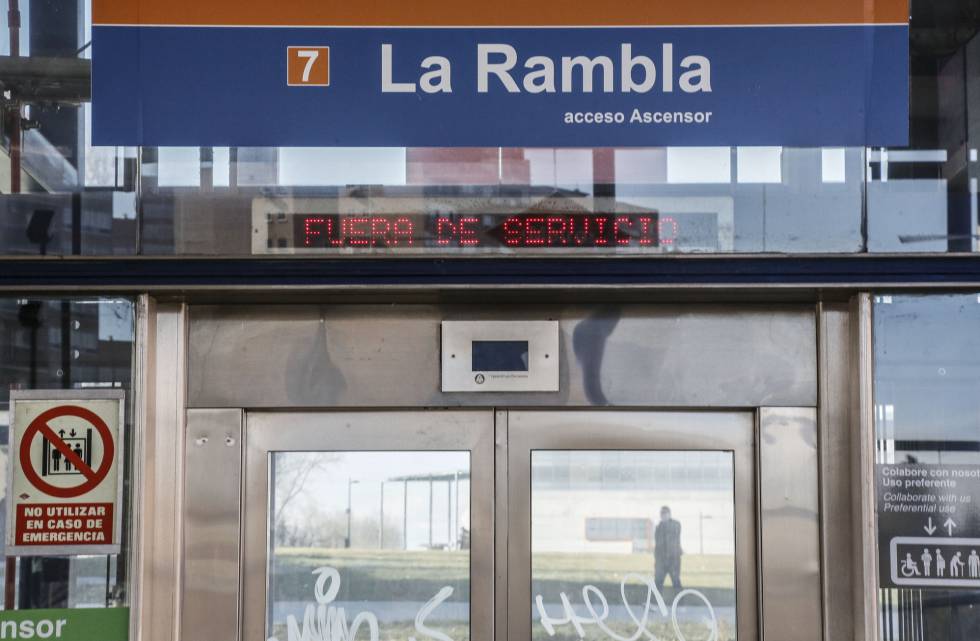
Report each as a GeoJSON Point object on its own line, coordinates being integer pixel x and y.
{"type": "Point", "coordinates": [499, 68]}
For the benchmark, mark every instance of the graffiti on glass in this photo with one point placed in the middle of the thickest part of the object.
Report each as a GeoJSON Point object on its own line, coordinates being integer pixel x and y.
{"type": "Point", "coordinates": [596, 607]}
{"type": "Point", "coordinates": [325, 622]}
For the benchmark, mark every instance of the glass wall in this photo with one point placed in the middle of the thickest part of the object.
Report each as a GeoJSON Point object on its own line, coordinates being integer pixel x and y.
{"type": "Point", "coordinates": [61, 195]}
{"type": "Point", "coordinates": [927, 428]}
{"type": "Point", "coordinates": [64, 344]}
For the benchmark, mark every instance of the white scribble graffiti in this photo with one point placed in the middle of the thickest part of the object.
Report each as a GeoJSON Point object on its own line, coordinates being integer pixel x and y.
{"type": "Point", "coordinates": [597, 608]}
{"type": "Point", "coordinates": [325, 622]}
{"type": "Point", "coordinates": [426, 610]}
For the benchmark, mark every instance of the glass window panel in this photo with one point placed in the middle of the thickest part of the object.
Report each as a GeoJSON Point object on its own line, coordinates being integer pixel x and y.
{"type": "Point", "coordinates": [927, 429]}
{"type": "Point", "coordinates": [179, 167]}
{"type": "Point", "coordinates": [922, 198]}
{"type": "Point", "coordinates": [641, 166]}
{"type": "Point", "coordinates": [48, 343]}
{"type": "Point", "coordinates": [486, 190]}
{"type": "Point", "coordinates": [569, 169]}
{"type": "Point", "coordinates": [760, 164]}
{"type": "Point", "coordinates": [380, 538]}
{"type": "Point", "coordinates": [310, 166]}
{"type": "Point", "coordinates": [699, 165]}
{"type": "Point", "coordinates": [221, 166]}
{"type": "Point", "coordinates": [908, 215]}
{"type": "Point", "coordinates": [833, 164]}
{"type": "Point", "coordinates": [592, 540]}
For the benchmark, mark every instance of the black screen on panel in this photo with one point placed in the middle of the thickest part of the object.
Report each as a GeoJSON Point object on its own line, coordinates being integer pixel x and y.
{"type": "Point", "coordinates": [499, 356]}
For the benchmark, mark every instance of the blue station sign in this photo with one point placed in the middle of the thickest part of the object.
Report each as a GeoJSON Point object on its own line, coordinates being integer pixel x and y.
{"type": "Point", "coordinates": [507, 73]}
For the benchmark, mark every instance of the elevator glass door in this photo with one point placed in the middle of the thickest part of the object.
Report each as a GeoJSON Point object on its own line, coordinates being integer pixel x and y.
{"type": "Point", "coordinates": [631, 525]}
{"type": "Point", "coordinates": [521, 525]}
{"type": "Point", "coordinates": [367, 526]}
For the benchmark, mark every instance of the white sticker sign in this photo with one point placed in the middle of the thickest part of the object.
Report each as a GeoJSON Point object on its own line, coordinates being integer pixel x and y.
{"type": "Point", "coordinates": [65, 479]}
{"type": "Point", "coordinates": [929, 525]}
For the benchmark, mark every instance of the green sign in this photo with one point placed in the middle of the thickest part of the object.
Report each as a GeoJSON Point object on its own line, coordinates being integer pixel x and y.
{"type": "Point", "coordinates": [87, 624]}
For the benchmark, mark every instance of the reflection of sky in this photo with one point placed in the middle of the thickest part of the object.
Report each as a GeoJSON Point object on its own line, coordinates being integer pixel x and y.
{"type": "Point", "coordinates": [325, 491]}
{"type": "Point", "coordinates": [927, 368]}
{"type": "Point", "coordinates": [633, 470]}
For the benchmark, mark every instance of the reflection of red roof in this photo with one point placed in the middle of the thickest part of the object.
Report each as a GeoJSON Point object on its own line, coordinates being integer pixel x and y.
{"type": "Point", "coordinates": [558, 204]}
{"type": "Point", "coordinates": [466, 166]}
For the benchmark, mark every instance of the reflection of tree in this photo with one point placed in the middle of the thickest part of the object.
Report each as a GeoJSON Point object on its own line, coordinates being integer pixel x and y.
{"type": "Point", "coordinates": [316, 528]}
{"type": "Point", "coordinates": [292, 471]}
{"type": "Point", "coordinates": [365, 533]}
{"type": "Point", "coordinates": [313, 528]}
{"type": "Point", "coordinates": [300, 519]}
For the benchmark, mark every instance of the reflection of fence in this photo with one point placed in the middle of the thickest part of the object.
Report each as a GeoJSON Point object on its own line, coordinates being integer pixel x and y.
{"type": "Point", "coordinates": [457, 533]}
{"type": "Point", "coordinates": [639, 532]}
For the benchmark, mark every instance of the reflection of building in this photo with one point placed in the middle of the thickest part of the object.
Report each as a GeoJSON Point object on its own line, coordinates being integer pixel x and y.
{"type": "Point", "coordinates": [51, 344]}
{"type": "Point", "coordinates": [64, 224]}
{"type": "Point", "coordinates": [610, 501]}
{"type": "Point", "coordinates": [623, 521]}
{"type": "Point", "coordinates": [466, 166]}
{"type": "Point", "coordinates": [59, 192]}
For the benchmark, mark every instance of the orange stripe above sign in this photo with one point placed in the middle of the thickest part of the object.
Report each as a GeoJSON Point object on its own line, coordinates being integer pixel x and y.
{"type": "Point", "coordinates": [444, 13]}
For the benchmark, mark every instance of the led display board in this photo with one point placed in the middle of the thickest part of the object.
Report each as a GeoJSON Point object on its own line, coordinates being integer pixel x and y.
{"type": "Point", "coordinates": [525, 231]}
{"type": "Point", "coordinates": [507, 73]}
{"type": "Point", "coordinates": [473, 225]}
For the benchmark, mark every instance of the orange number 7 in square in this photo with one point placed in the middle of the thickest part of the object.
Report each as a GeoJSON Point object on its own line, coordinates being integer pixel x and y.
{"type": "Point", "coordinates": [308, 66]}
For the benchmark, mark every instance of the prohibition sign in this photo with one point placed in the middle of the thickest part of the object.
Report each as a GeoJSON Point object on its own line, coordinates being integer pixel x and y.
{"type": "Point", "coordinates": [92, 477]}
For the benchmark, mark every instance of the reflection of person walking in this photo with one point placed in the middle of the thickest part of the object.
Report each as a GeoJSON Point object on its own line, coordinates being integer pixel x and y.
{"type": "Point", "coordinates": [667, 550]}
{"type": "Point", "coordinates": [974, 562]}
{"type": "Point", "coordinates": [926, 561]}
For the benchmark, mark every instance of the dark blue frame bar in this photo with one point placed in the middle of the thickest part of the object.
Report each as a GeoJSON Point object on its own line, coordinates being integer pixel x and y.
{"type": "Point", "coordinates": [747, 270]}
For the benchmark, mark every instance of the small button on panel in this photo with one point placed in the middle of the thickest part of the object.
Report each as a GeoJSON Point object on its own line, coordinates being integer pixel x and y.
{"type": "Point", "coordinates": [500, 356]}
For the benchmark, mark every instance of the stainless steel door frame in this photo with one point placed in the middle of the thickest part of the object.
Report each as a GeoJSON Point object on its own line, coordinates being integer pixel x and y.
{"type": "Point", "coordinates": [529, 430]}
{"type": "Point", "coordinates": [388, 356]}
{"type": "Point", "coordinates": [212, 525]}
{"type": "Point", "coordinates": [268, 432]}
{"type": "Point", "coordinates": [321, 367]}
{"type": "Point", "coordinates": [788, 465]}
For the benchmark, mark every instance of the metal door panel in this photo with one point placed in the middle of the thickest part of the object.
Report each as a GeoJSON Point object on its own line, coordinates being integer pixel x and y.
{"type": "Point", "coordinates": [212, 526]}
{"type": "Point", "coordinates": [790, 532]}
{"type": "Point", "coordinates": [368, 356]}
{"type": "Point", "coordinates": [836, 477]}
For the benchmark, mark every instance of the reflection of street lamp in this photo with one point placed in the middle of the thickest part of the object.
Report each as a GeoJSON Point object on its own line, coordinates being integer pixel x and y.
{"type": "Point", "coordinates": [350, 483]}
{"type": "Point", "coordinates": [701, 517]}
{"type": "Point", "coordinates": [381, 521]}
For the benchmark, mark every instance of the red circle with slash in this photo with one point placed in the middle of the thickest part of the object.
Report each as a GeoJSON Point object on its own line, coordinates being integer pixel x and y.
{"type": "Point", "coordinates": [92, 477]}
